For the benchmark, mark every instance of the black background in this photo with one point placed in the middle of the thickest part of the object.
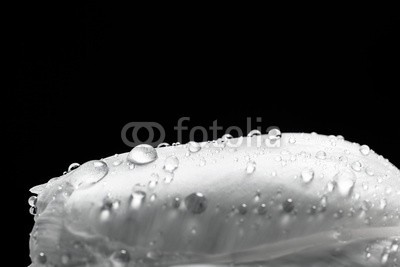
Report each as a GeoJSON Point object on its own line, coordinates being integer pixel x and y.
{"type": "Point", "coordinates": [84, 72]}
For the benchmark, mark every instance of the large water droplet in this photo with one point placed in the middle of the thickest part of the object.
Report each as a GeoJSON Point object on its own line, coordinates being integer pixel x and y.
{"type": "Point", "coordinates": [196, 203]}
{"type": "Point", "coordinates": [73, 166]}
{"type": "Point", "coordinates": [142, 154]}
{"type": "Point", "coordinates": [171, 164]}
{"type": "Point", "coordinates": [32, 201]}
{"type": "Point", "coordinates": [137, 199]}
{"type": "Point", "coordinates": [250, 167]}
{"type": "Point", "coordinates": [345, 182]}
{"type": "Point", "coordinates": [194, 147]}
{"type": "Point", "coordinates": [90, 173]}
{"type": "Point", "coordinates": [307, 175]}
{"type": "Point", "coordinates": [273, 138]}
{"type": "Point", "coordinates": [364, 149]}
{"type": "Point", "coordinates": [254, 133]}
{"type": "Point", "coordinates": [162, 145]}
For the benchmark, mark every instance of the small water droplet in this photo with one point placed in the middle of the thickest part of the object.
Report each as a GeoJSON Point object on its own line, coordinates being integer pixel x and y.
{"type": "Point", "coordinates": [168, 178]}
{"type": "Point", "coordinates": [242, 209]}
{"type": "Point", "coordinates": [288, 205]}
{"type": "Point", "coordinates": [176, 202]}
{"type": "Point", "coordinates": [137, 199]}
{"type": "Point", "coordinates": [321, 155]}
{"type": "Point", "coordinates": [32, 201]}
{"type": "Point", "coordinates": [384, 257]}
{"type": "Point", "coordinates": [73, 166]}
{"type": "Point", "coordinates": [307, 175]}
{"type": "Point", "coordinates": [153, 197]}
{"type": "Point", "coordinates": [226, 137]}
{"type": "Point", "coordinates": [331, 186]}
{"type": "Point", "coordinates": [383, 203]}
{"type": "Point", "coordinates": [153, 184]}
{"type": "Point", "coordinates": [32, 210]}
{"type": "Point", "coordinates": [273, 138]}
{"type": "Point", "coordinates": [254, 133]}
{"type": "Point", "coordinates": [121, 256]}
{"type": "Point", "coordinates": [194, 147]}
{"type": "Point", "coordinates": [203, 162]}
{"type": "Point", "coordinates": [171, 164]}
{"type": "Point", "coordinates": [345, 182]}
{"type": "Point", "coordinates": [196, 203]}
{"type": "Point", "coordinates": [142, 154]}
{"type": "Point", "coordinates": [42, 258]}
{"type": "Point", "coordinates": [262, 209]}
{"type": "Point", "coordinates": [65, 259]}
{"type": "Point", "coordinates": [323, 203]}
{"type": "Point", "coordinates": [292, 140]}
{"type": "Point", "coordinates": [250, 167]}
{"type": "Point", "coordinates": [117, 162]}
{"type": "Point", "coordinates": [364, 149]}
{"type": "Point", "coordinates": [356, 166]}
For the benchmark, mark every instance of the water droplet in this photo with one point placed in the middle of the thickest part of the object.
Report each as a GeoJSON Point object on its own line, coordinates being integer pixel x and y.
{"type": "Point", "coordinates": [262, 209]}
{"type": "Point", "coordinates": [163, 145]}
{"type": "Point", "coordinates": [153, 184]}
{"type": "Point", "coordinates": [274, 138]}
{"type": "Point", "coordinates": [320, 155]}
{"type": "Point", "coordinates": [274, 133]}
{"type": "Point", "coordinates": [194, 147]}
{"type": "Point", "coordinates": [369, 171]}
{"type": "Point", "coordinates": [384, 257]}
{"type": "Point", "coordinates": [307, 175]}
{"type": "Point", "coordinates": [196, 203]}
{"type": "Point", "coordinates": [331, 186]}
{"type": "Point", "coordinates": [250, 167]}
{"type": "Point", "coordinates": [288, 205]}
{"type": "Point", "coordinates": [383, 203]}
{"type": "Point", "coordinates": [203, 162]}
{"type": "Point", "coordinates": [42, 258]}
{"type": "Point", "coordinates": [121, 256]}
{"type": "Point", "coordinates": [254, 133]}
{"type": "Point", "coordinates": [65, 259]}
{"type": "Point", "coordinates": [323, 203]}
{"type": "Point", "coordinates": [364, 149]}
{"type": "Point", "coordinates": [73, 166]}
{"type": "Point", "coordinates": [226, 137]}
{"type": "Point", "coordinates": [356, 166]}
{"type": "Point", "coordinates": [32, 201]}
{"type": "Point", "coordinates": [176, 202]}
{"type": "Point", "coordinates": [171, 163]}
{"type": "Point", "coordinates": [345, 182]}
{"type": "Point", "coordinates": [32, 210]}
{"type": "Point", "coordinates": [168, 178]}
{"type": "Point", "coordinates": [142, 154]}
{"type": "Point", "coordinates": [137, 199]}
{"type": "Point", "coordinates": [152, 255]}
{"type": "Point", "coordinates": [242, 209]}
{"type": "Point", "coordinates": [394, 247]}
{"type": "Point", "coordinates": [153, 197]}
{"type": "Point", "coordinates": [117, 162]}
{"type": "Point", "coordinates": [110, 203]}
{"type": "Point", "coordinates": [292, 140]}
